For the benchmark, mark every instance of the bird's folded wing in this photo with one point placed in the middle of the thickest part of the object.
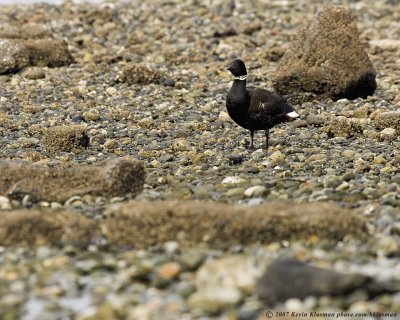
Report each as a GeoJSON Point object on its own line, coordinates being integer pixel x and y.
{"type": "Point", "coordinates": [267, 103]}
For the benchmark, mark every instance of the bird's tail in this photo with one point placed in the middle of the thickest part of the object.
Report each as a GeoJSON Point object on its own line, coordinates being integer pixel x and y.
{"type": "Point", "coordinates": [292, 115]}
{"type": "Point", "coordinates": [289, 112]}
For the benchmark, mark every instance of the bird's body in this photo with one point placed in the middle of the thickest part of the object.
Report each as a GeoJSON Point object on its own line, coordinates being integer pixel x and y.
{"type": "Point", "coordinates": [254, 108]}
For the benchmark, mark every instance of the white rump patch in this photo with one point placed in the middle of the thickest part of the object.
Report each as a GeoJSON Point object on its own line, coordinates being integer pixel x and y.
{"type": "Point", "coordinates": [292, 114]}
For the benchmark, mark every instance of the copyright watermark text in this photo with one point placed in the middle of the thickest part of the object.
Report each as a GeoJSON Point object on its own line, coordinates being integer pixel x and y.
{"type": "Point", "coordinates": [330, 315]}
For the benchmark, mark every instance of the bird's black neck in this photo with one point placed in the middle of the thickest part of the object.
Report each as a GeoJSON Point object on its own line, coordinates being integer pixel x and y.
{"type": "Point", "coordinates": [239, 86]}
{"type": "Point", "coordinates": [237, 96]}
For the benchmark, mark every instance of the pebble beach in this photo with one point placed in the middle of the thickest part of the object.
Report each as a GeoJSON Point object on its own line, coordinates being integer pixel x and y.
{"type": "Point", "coordinates": [147, 80]}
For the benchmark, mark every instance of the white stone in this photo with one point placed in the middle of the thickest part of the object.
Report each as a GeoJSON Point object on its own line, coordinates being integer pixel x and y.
{"type": "Point", "coordinates": [171, 246]}
{"type": "Point", "coordinates": [228, 296]}
{"type": "Point", "coordinates": [5, 203]}
{"type": "Point", "coordinates": [258, 154]}
{"type": "Point", "coordinates": [255, 191]}
{"type": "Point", "coordinates": [359, 306]}
{"type": "Point", "coordinates": [55, 205]}
{"type": "Point", "coordinates": [233, 180]}
{"type": "Point", "coordinates": [215, 300]}
{"type": "Point", "coordinates": [294, 305]}
{"type": "Point", "coordinates": [255, 201]}
{"type": "Point", "coordinates": [208, 107]}
{"type": "Point", "coordinates": [155, 163]}
{"type": "Point", "coordinates": [235, 271]}
{"type": "Point", "coordinates": [389, 132]}
{"type": "Point", "coordinates": [224, 117]}
{"type": "Point", "coordinates": [266, 163]}
{"type": "Point", "coordinates": [386, 44]}
{"type": "Point", "coordinates": [111, 91]}
{"type": "Point", "coordinates": [343, 186]}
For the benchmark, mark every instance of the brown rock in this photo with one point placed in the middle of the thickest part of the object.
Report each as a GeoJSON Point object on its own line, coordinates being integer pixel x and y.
{"type": "Point", "coordinates": [388, 120]}
{"type": "Point", "coordinates": [170, 270]}
{"type": "Point", "coordinates": [17, 54]}
{"type": "Point", "coordinates": [92, 115]}
{"type": "Point", "coordinates": [362, 112]}
{"type": "Point", "coordinates": [316, 120]}
{"type": "Point", "coordinates": [316, 157]}
{"type": "Point", "coordinates": [275, 53]}
{"type": "Point", "coordinates": [35, 31]}
{"type": "Point", "coordinates": [376, 112]}
{"type": "Point", "coordinates": [327, 59]}
{"type": "Point", "coordinates": [380, 45]}
{"type": "Point", "coordinates": [35, 227]}
{"type": "Point", "coordinates": [50, 53]}
{"type": "Point", "coordinates": [277, 159]}
{"type": "Point", "coordinates": [379, 159]}
{"type": "Point", "coordinates": [343, 127]}
{"type": "Point", "coordinates": [116, 177]}
{"type": "Point", "coordinates": [5, 121]}
{"type": "Point", "coordinates": [139, 74]}
{"type": "Point", "coordinates": [14, 55]}
{"type": "Point", "coordinates": [34, 73]}
{"type": "Point", "coordinates": [227, 32]}
{"type": "Point", "coordinates": [111, 144]}
{"type": "Point", "coordinates": [387, 134]}
{"type": "Point", "coordinates": [144, 224]}
{"type": "Point", "coordinates": [29, 30]}
{"type": "Point", "coordinates": [250, 28]}
{"type": "Point", "coordinates": [65, 138]}
{"type": "Point", "coordinates": [298, 124]}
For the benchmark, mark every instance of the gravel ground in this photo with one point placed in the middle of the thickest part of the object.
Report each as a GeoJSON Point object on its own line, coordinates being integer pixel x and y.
{"type": "Point", "coordinates": [172, 117]}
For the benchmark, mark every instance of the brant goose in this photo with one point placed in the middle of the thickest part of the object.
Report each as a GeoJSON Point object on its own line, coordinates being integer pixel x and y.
{"type": "Point", "coordinates": [254, 108]}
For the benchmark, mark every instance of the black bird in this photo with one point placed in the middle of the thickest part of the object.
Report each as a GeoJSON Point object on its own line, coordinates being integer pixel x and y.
{"type": "Point", "coordinates": [255, 108]}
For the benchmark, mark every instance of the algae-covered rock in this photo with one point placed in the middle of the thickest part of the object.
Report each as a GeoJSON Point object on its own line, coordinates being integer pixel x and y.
{"type": "Point", "coordinates": [65, 138]}
{"type": "Point", "coordinates": [35, 228]}
{"type": "Point", "coordinates": [143, 224]}
{"type": "Point", "coordinates": [112, 178]}
{"type": "Point", "coordinates": [327, 59]}
{"type": "Point", "coordinates": [17, 54]}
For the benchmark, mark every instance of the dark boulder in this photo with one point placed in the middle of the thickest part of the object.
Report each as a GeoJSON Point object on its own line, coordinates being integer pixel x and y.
{"type": "Point", "coordinates": [288, 278]}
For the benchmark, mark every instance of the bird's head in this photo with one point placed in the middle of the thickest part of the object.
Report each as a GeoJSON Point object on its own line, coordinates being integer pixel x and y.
{"type": "Point", "coordinates": [237, 68]}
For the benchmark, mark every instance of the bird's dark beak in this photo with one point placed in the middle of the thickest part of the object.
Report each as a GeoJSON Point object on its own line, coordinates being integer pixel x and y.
{"type": "Point", "coordinates": [228, 67]}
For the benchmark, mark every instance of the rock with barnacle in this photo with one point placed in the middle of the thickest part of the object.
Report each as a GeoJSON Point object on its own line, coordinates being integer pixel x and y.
{"type": "Point", "coordinates": [327, 59]}
{"type": "Point", "coordinates": [139, 74]}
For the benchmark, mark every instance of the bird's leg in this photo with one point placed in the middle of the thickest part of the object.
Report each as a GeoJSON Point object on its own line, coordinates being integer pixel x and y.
{"type": "Point", "coordinates": [266, 139]}
{"type": "Point", "coordinates": [251, 139]}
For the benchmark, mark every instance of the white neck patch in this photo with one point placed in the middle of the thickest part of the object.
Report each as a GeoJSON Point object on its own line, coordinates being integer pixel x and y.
{"type": "Point", "coordinates": [240, 78]}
